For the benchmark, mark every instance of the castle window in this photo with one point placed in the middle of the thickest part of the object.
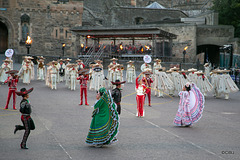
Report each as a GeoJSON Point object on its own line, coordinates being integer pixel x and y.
{"type": "Point", "coordinates": [5, 3]}
{"type": "Point", "coordinates": [139, 20]}
{"type": "Point", "coordinates": [56, 33]}
{"type": "Point", "coordinates": [25, 23]}
{"type": "Point", "coordinates": [66, 34]}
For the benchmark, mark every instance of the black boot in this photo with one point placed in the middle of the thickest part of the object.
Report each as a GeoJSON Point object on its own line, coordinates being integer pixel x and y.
{"type": "Point", "coordinates": [23, 146]}
{"type": "Point", "coordinates": [16, 129]}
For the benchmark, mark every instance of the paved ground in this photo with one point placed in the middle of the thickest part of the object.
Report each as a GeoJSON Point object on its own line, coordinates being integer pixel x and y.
{"type": "Point", "coordinates": [62, 126]}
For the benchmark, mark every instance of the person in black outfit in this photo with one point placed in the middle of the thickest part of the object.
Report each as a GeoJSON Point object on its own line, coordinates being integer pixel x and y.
{"type": "Point", "coordinates": [25, 109]}
{"type": "Point", "coordinates": [116, 94]}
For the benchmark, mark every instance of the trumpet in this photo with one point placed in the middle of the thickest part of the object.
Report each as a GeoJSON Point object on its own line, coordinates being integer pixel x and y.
{"type": "Point", "coordinates": [122, 68]}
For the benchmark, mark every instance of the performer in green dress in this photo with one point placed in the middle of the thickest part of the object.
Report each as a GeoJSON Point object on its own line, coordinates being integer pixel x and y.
{"type": "Point", "coordinates": [105, 121]}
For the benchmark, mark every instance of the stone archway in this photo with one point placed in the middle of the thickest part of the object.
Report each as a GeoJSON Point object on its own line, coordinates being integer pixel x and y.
{"type": "Point", "coordinates": [211, 53]}
{"type": "Point", "coordinates": [3, 38]}
{"type": "Point", "coordinates": [6, 35]}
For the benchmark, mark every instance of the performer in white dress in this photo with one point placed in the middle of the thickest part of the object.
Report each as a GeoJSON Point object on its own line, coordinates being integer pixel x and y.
{"type": "Point", "coordinates": [67, 76]}
{"type": "Point", "coordinates": [207, 70]}
{"type": "Point", "coordinates": [226, 84]}
{"type": "Point", "coordinates": [203, 83]}
{"type": "Point", "coordinates": [98, 77]}
{"type": "Point", "coordinates": [27, 72]}
{"type": "Point", "coordinates": [162, 82]}
{"type": "Point", "coordinates": [175, 77]}
{"type": "Point", "coordinates": [192, 76]}
{"type": "Point", "coordinates": [131, 73]}
{"type": "Point", "coordinates": [5, 67]}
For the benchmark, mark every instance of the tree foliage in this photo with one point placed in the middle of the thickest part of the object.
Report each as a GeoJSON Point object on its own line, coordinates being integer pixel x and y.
{"type": "Point", "coordinates": [229, 13]}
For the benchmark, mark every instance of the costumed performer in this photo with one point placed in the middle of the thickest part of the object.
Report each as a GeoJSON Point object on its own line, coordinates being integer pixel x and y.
{"type": "Point", "coordinates": [83, 80]}
{"type": "Point", "coordinates": [25, 109]}
{"type": "Point", "coordinates": [190, 107]}
{"type": "Point", "coordinates": [117, 95]}
{"type": "Point", "coordinates": [131, 73]}
{"type": "Point", "coordinates": [12, 81]}
{"type": "Point", "coordinates": [140, 97]}
{"type": "Point", "coordinates": [105, 121]}
{"type": "Point", "coordinates": [147, 80]}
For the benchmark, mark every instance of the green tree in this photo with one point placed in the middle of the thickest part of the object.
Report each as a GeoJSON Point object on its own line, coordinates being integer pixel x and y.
{"type": "Point", "coordinates": [229, 13]}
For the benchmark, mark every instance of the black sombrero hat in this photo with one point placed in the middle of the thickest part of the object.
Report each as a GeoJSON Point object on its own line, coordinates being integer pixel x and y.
{"type": "Point", "coordinates": [117, 82]}
{"type": "Point", "coordinates": [12, 72]}
{"type": "Point", "coordinates": [24, 91]}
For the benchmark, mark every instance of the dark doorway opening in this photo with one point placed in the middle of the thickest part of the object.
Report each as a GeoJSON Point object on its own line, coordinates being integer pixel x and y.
{"type": "Point", "coordinates": [211, 54]}
{"type": "Point", "coordinates": [3, 38]}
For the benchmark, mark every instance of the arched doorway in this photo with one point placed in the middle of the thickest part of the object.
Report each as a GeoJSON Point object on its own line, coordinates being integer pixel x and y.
{"type": "Point", "coordinates": [3, 38]}
{"type": "Point", "coordinates": [211, 53]}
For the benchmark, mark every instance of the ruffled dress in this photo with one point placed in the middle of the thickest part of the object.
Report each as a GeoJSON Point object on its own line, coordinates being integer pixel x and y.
{"type": "Point", "coordinates": [191, 106]}
{"type": "Point", "coordinates": [105, 121]}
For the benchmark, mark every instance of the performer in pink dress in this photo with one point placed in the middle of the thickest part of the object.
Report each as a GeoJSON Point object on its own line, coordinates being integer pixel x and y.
{"type": "Point", "coordinates": [190, 106]}
{"type": "Point", "coordinates": [12, 83]}
{"type": "Point", "coordinates": [140, 89]}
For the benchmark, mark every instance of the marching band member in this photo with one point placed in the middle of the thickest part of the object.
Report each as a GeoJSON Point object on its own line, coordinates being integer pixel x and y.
{"type": "Point", "coordinates": [119, 72]}
{"type": "Point", "coordinates": [131, 73]}
{"type": "Point", "coordinates": [5, 67]}
{"type": "Point", "coordinates": [140, 97]}
{"type": "Point", "coordinates": [40, 70]}
{"type": "Point", "coordinates": [48, 77]}
{"type": "Point", "coordinates": [73, 76]}
{"type": "Point", "coordinates": [114, 61]}
{"type": "Point", "coordinates": [147, 80]}
{"type": "Point", "coordinates": [61, 70]}
{"type": "Point", "coordinates": [110, 75]}
{"type": "Point", "coordinates": [215, 76]}
{"type": "Point", "coordinates": [145, 66]}
{"type": "Point", "coordinates": [83, 78]}
{"type": "Point", "coordinates": [91, 76]}
{"type": "Point", "coordinates": [156, 65]}
{"type": "Point", "coordinates": [27, 72]}
{"type": "Point", "coordinates": [67, 76]}
{"type": "Point", "coordinates": [98, 77]}
{"type": "Point", "coordinates": [12, 81]}
{"type": "Point", "coordinates": [80, 65]}
{"type": "Point", "coordinates": [53, 74]}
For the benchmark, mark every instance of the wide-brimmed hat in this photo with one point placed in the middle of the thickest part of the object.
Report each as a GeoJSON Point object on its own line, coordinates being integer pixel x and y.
{"type": "Point", "coordinates": [40, 60]}
{"type": "Point", "coordinates": [78, 60]}
{"type": "Point", "coordinates": [226, 71]}
{"type": "Point", "coordinates": [83, 71]}
{"type": "Point", "coordinates": [68, 59]}
{"type": "Point", "coordinates": [114, 59]}
{"type": "Point", "coordinates": [206, 64]}
{"type": "Point", "coordinates": [160, 68]}
{"type": "Point", "coordinates": [192, 70]}
{"type": "Point", "coordinates": [130, 61]}
{"type": "Point", "coordinates": [28, 57]}
{"type": "Point", "coordinates": [41, 57]}
{"type": "Point", "coordinates": [24, 91]}
{"type": "Point", "coordinates": [7, 60]}
{"type": "Point", "coordinates": [183, 71]}
{"type": "Point", "coordinates": [169, 71]}
{"type": "Point", "coordinates": [199, 72]}
{"type": "Point", "coordinates": [71, 65]}
{"type": "Point", "coordinates": [158, 60]}
{"type": "Point", "coordinates": [12, 72]}
{"type": "Point", "coordinates": [147, 71]}
{"type": "Point", "coordinates": [117, 82]}
{"type": "Point", "coordinates": [54, 62]}
{"type": "Point", "coordinates": [61, 60]}
{"type": "Point", "coordinates": [174, 69]}
{"type": "Point", "coordinates": [98, 61]}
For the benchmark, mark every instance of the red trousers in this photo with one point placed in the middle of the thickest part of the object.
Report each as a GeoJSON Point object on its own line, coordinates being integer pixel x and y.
{"type": "Point", "coordinates": [140, 103]}
{"type": "Point", "coordinates": [10, 92]}
{"type": "Point", "coordinates": [81, 95]}
{"type": "Point", "coordinates": [148, 93]}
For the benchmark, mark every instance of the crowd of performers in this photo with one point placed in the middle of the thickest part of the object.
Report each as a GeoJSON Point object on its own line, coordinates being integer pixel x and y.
{"type": "Point", "coordinates": [190, 85]}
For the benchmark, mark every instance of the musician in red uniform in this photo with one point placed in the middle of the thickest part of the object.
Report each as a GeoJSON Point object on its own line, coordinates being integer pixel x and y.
{"type": "Point", "coordinates": [83, 84]}
{"type": "Point", "coordinates": [12, 83]}
{"type": "Point", "coordinates": [147, 80]}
